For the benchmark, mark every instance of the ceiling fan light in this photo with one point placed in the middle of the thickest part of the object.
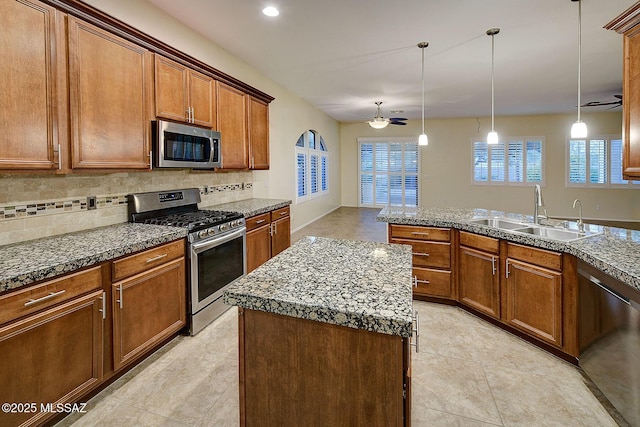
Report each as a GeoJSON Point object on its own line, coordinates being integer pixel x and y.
{"type": "Point", "coordinates": [378, 123]}
{"type": "Point", "coordinates": [423, 139]}
{"type": "Point", "coordinates": [579, 130]}
{"type": "Point", "coordinates": [492, 138]}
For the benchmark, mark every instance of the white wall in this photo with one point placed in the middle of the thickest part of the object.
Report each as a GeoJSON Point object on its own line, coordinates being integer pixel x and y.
{"type": "Point", "coordinates": [446, 165]}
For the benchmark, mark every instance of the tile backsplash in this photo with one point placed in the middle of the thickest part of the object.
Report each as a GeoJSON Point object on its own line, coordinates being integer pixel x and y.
{"type": "Point", "coordinates": [35, 206]}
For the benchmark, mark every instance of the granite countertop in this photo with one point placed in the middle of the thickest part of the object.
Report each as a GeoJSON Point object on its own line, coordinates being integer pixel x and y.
{"type": "Point", "coordinates": [616, 251]}
{"type": "Point", "coordinates": [362, 285]}
{"type": "Point", "coordinates": [27, 262]}
{"type": "Point", "coordinates": [251, 207]}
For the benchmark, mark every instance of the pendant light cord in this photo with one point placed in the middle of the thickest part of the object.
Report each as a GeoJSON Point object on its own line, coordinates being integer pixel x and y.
{"type": "Point", "coordinates": [579, 51]}
{"type": "Point", "coordinates": [492, 89]}
{"type": "Point", "coordinates": [422, 48]}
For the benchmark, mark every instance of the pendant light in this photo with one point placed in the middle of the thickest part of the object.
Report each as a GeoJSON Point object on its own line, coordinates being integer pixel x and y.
{"type": "Point", "coordinates": [492, 137]}
{"type": "Point", "coordinates": [579, 128]}
{"type": "Point", "coordinates": [423, 139]}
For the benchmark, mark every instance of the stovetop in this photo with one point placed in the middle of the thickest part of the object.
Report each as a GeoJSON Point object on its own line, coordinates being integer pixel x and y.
{"type": "Point", "coordinates": [196, 220]}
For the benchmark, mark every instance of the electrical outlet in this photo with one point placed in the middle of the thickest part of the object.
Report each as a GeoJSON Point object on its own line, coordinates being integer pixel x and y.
{"type": "Point", "coordinates": [91, 203]}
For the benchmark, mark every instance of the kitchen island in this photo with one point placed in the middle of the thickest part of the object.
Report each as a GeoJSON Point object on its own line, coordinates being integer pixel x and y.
{"type": "Point", "coordinates": [324, 332]}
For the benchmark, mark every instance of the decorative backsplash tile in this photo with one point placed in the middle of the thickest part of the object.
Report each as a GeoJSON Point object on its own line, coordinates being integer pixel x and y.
{"type": "Point", "coordinates": [77, 204]}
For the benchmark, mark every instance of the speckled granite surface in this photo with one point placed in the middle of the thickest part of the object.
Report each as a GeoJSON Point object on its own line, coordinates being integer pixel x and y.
{"type": "Point", "coordinates": [363, 285]}
{"type": "Point", "coordinates": [251, 207]}
{"type": "Point", "coordinates": [616, 251]}
{"type": "Point", "coordinates": [27, 262]}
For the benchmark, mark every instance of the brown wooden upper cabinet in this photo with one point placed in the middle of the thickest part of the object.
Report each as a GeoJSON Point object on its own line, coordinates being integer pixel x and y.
{"type": "Point", "coordinates": [232, 125]}
{"type": "Point", "coordinates": [243, 123]}
{"type": "Point", "coordinates": [627, 24]}
{"type": "Point", "coordinates": [33, 87]}
{"type": "Point", "coordinates": [110, 94]}
{"type": "Point", "coordinates": [183, 94]}
{"type": "Point", "coordinates": [258, 134]}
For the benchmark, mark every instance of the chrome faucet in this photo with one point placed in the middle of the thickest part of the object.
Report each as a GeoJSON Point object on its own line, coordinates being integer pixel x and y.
{"type": "Point", "coordinates": [538, 202]}
{"type": "Point", "coordinates": [580, 223]}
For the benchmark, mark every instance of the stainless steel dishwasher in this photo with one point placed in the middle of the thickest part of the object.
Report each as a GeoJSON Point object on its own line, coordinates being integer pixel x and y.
{"type": "Point", "coordinates": [609, 331]}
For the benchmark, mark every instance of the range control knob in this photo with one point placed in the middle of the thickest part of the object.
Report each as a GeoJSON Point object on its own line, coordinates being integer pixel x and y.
{"type": "Point", "coordinates": [211, 231]}
{"type": "Point", "coordinates": [202, 234]}
{"type": "Point", "coordinates": [223, 227]}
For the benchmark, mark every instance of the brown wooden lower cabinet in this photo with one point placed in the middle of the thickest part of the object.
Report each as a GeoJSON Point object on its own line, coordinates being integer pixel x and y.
{"type": "Point", "coordinates": [479, 283]}
{"type": "Point", "coordinates": [297, 372]}
{"type": "Point", "coordinates": [54, 356]}
{"type": "Point", "coordinates": [281, 237]}
{"type": "Point", "coordinates": [147, 308]}
{"type": "Point", "coordinates": [432, 282]}
{"type": "Point", "coordinates": [258, 247]}
{"type": "Point", "coordinates": [268, 234]}
{"type": "Point", "coordinates": [534, 300]}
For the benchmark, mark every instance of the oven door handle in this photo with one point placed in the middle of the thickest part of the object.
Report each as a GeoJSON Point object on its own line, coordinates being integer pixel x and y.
{"type": "Point", "coordinates": [216, 241]}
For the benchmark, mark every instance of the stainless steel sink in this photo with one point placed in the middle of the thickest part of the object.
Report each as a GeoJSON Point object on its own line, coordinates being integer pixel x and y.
{"type": "Point", "coordinates": [548, 232]}
{"type": "Point", "coordinates": [555, 233]}
{"type": "Point", "coordinates": [503, 223]}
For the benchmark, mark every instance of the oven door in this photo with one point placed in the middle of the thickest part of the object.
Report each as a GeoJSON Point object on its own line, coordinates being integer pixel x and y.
{"type": "Point", "coordinates": [216, 263]}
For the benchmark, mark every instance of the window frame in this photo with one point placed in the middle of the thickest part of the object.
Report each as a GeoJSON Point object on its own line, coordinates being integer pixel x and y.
{"type": "Point", "coordinates": [403, 174]}
{"type": "Point", "coordinates": [321, 153]}
{"type": "Point", "coordinates": [608, 184]}
{"type": "Point", "coordinates": [505, 142]}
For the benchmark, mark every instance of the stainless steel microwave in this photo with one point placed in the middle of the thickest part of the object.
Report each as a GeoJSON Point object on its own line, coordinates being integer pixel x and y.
{"type": "Point", "coordinates": [178, 145]}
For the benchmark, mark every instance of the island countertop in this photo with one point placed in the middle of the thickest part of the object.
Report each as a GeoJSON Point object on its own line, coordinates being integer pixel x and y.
{"type": "Point", "coordinates": [616, 251]}
{"type": "Point", "coordinates": [362, 285]}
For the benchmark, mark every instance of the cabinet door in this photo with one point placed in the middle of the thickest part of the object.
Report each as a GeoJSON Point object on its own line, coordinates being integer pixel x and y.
{"type": "Point", "coordinates": [171, 89]}
{"type": "Point", "coordinates": [54, 357]}
{"type": "Point", "coordinates": [534, 301]}
{"type": "Point", "coordinates": [281, 235]}
{"type": "Point", "coordinates": [232, 125]}
{"type": "Point", "coordinates": [258, 134]}
{"type": "Point", "coordinates": [202, 91]}
{"type": "Point", "coordinates": [258, 247]}
{"type": "Point", "coordinates": [479, 285]}
{"type": "Point", "coordinates": [110, 81]}
{"type": "Point", "coordinates": [631, 105]}
{"type": "Point", "coordinates": [33, 90]}
{"type": "Point", "coordinates": [147, 308]}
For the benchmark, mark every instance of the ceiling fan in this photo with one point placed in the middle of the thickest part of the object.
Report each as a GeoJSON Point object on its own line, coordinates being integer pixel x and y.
{"type": "Point", "coordinates": [614, 104]}
{"type": "Point", "coordinates": [379, 122]}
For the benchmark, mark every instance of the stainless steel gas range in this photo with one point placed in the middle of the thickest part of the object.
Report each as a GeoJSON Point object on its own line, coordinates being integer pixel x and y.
{"type": "Point", "coordinates": [216, 246]}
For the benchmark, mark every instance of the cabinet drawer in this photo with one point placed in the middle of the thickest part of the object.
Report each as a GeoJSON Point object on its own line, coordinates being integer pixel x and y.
{"type": "Point", "coordinates": [47, 294]}
{"type": "Point", "coordinates": [476, 241]}
{"type": "Point", "coordinates": [432, 282]}
{"type": "Point", "coordinates": [280, 213]}
{"type": "Point", "coordinates": [134, 264]}
{"type": "Point", "coordinates": [258, 221]}
{"type": "Point", "coordinates": [430, 254]}
{"type": "Point", "coordinates": [420, 233]}
{"type": "Point", "coordinates": [541, 257]}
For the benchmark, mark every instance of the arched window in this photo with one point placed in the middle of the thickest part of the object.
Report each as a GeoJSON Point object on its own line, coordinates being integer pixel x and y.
{"type": "Point", "coordinates": [312, 166]}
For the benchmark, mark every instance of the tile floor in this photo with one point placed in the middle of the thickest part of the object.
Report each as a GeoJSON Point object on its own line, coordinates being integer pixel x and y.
{"type": "Point", "coordinates": [468, 373]}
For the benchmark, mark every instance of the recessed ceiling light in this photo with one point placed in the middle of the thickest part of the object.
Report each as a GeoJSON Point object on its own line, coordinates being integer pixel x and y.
{"type": "Point", "coordinates": [271, 11]}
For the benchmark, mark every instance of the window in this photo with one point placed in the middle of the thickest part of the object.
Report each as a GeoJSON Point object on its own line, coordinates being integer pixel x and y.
{"type": "Point", "coordinates": [312, 166]}
{"type": "Point", "coordinates": [596, 162]}
{"type": "Point", "coordinates": [514, 161]}
{"type": "Point", "coordinates": [389, 172]}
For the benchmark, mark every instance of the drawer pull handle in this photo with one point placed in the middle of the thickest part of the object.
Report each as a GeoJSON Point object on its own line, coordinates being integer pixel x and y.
{"type": "Point", "coordinates": [44, 298]}
{"type": "Point", "coordinates": [282, 213]}
{"type": "Point", "coordinates": [426, 282]}
{"type": "Point", "coordinates": [260, 221]}
{"type": "Point", "coordinates": [419, 233]}
{"type": "Point", "coordinates": [416, 320]}
{"type": "Point", "coordinates": [156, 258]}
{"type": "Point", "coordinates": [420, 254]}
